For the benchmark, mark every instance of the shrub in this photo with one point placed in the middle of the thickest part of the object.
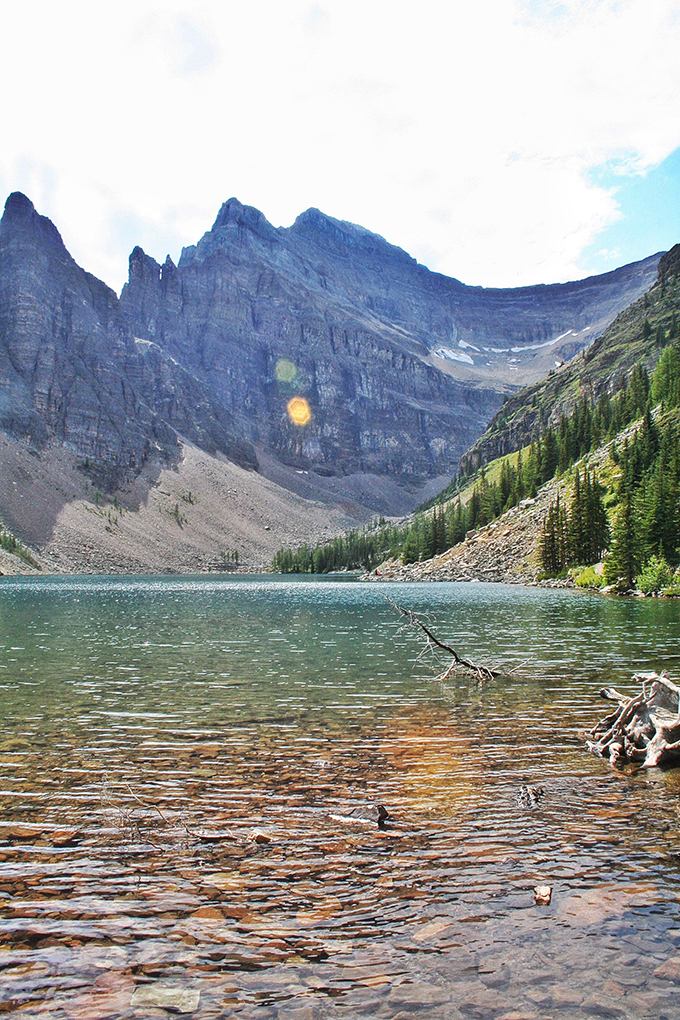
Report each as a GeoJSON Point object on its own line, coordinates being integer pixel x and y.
{"type": "Point", "coordinates": [655, 575]}
{"type": "Point", "coordinates": [587, 578]}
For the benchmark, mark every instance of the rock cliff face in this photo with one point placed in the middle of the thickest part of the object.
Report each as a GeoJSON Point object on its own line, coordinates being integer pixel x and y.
{"type": "Point", "coordinates": [330, 312]}
{"type": "Point", "coordinates": [513, 334]}
{"type": "Point", "coordinates": [397, 370]}
{"type": "Point", "coordinates": [249, 315]}
{"type": "Point", "coordinates": [70, 370]}
{"type": "Point", "coordinates": [637, 336]}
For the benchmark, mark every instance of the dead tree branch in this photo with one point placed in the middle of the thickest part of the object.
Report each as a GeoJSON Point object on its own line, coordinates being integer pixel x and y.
{"type": "Point", "coordinates": [476, 669]}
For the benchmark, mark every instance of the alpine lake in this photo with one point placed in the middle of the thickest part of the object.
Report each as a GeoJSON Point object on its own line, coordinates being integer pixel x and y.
{"type": "Point", "coordinates": [189, 773]}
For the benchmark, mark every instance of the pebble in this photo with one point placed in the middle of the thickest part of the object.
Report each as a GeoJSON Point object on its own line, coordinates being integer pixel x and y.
{"type": "Point", "coordinates": [542, 895]}
{"type": "Point", "coordinates": [257, 836]}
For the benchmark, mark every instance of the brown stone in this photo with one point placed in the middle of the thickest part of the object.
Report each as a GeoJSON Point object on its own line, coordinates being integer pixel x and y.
{"type": "Point", "coordinates": [669, 970]}
{"type": "Point", "coordinates": [602, 1005]}
{"type": "Point", "coordinates": [420, 993]}
{"type": "Point", "coordinates": [431, 930]}
{"type": "Point", "coordinates": [211, 913]}
{"type": "Point", "coordinates": [64, 837]}
{"type": "Point", "coordinates": [257, 836]}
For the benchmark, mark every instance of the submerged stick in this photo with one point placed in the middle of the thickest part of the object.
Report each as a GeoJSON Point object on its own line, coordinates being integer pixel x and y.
{"type": "Point", "coordinates": [479, 670]}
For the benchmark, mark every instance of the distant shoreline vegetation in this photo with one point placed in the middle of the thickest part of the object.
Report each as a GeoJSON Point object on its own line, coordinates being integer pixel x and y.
{"type": "Point", "coordinates": [11, 544]}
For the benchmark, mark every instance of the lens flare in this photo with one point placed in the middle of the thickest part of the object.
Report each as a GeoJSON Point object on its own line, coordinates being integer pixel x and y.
{"type": "Point", "coordinates": [298, 411]}
{"type": "Point", "coordinates": [285, 370]}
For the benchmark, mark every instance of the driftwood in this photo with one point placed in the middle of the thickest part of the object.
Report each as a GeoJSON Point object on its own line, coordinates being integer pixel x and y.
{"type": "Point", "coordinates": [476, 669]}
{"type": "Point", "coordinates": [645, 728]}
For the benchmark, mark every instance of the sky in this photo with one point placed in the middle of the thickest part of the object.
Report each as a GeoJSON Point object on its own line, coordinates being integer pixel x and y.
{"type": "Point", "coordinates": [505, 143]}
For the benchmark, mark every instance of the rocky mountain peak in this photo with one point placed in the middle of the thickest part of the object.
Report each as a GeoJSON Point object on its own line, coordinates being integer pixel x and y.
{"type": "Point", "coordinates": [344, 237]}
{"type": "Point", "coordinates": [18, 206]}
{"type": "Point", "coordinates": [401, 368]}
{"type": "Point", "coordinates": [20, 216]}
{"type": "Point", "coordinates": [142, 266]}
{"type": "Point", "coordinates": [234, 213]}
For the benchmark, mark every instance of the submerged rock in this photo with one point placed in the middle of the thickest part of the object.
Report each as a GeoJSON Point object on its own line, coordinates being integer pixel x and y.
{"type": "Point", "coordinates": [542, 895]}
{"type": "Point", "coordinates": [530, 796]}
{"type": "Point", "coordinates": [177, 1000]}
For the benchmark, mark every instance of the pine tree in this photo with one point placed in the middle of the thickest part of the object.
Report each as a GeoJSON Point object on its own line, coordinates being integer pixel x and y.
{"type": "Point", "coordinates": [553, 542]}
{"type": "Point", "coordinates": [598, 525]}
{"type": "Point", "coordinates": [577, 523]}
{"type": "Point", "coordinates": [411, 551]}
{"type": "Point", "coordinates": [623, 562]}
{"type": "Point", "coordinates": [550, 455]}
{"type": "Point", "coordinates": [521, 485]}
{"type": "Point", "coordinates": [456, 524]}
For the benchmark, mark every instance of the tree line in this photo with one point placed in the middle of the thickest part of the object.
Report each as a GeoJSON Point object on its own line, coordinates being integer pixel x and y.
{"type": "Point", "coordinates": [361, 549]}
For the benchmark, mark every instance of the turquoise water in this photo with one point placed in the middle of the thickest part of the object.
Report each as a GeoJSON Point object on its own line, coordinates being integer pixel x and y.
{"type": "Point", "coordinates": [183, 767]}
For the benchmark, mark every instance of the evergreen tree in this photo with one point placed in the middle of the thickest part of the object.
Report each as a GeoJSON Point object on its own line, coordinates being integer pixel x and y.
{"type": "Point", "coordinates": [456, 524]}
{"type": "Point", "coordinates": [576, 529]}
{"type": "Point", "coordinates": [553, 542]}
{"type": "Point", "coordinates": [411, 550]}
{"type": "Point", "coordinates": [550, 455]}
{"type": "Point", "coordinates": [623, 562]}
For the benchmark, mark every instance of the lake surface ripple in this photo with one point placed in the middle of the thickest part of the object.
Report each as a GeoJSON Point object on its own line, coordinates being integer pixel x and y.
{"type": "Point", "coordinates": [184, 764]}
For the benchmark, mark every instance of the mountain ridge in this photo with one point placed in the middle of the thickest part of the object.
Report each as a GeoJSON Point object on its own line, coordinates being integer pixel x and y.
{"type": "Point", "coordinates": [629, 340]}
{"type": "Point", "coordinates": [206, 355]}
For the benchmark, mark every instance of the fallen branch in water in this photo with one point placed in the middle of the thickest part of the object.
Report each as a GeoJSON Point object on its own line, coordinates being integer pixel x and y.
{"type": "Point", "coordinates": [645, 728]}
{"type": "Point", "coordinates": [477, 669]}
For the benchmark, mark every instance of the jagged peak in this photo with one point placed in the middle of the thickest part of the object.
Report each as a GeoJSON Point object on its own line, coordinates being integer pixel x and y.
{"type": "Point", "coordinates": [315, 219]}
{"type": "Point", "coordinates": [344, 232]}
{"type": "Point", "coordinates": [233, 211]}
{"type": "Point", "coordinates": [19, 205]}
{"type": "Point", "coordinates": [142, 266]}
{"type": "Point", "coordinates": [21, 213]}
{"type": "Point", "coordinates": [168, 269]}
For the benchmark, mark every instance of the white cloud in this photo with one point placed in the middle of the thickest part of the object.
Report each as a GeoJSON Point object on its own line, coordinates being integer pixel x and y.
{"type": "Point", "coordinates": [464, 133]}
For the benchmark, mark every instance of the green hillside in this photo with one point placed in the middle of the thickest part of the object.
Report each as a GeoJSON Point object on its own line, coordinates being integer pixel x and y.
{"type": "Point", "coordinates": [636, 337]}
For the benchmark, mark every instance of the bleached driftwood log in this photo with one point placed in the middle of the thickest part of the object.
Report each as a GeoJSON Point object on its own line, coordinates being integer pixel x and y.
{"type": "Point", "coordinates": [645, 728]}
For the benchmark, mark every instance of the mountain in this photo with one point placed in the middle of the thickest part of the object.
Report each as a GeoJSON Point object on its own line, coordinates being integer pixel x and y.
{"type": "Point", "coordinates": [473, 333]}
{"type": "Point", "coordinates": [70, 371]}
{"type": "Point", "coordinates": [635, 337]}
{"type": "Point", "coordinates": [614, 415]}
{"type": "Point", "coordinates": [193, 369]}
{"type": "Point", "coordinates": [400, 365]}
{"type": "Point", "coordinates": [254, 314]}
